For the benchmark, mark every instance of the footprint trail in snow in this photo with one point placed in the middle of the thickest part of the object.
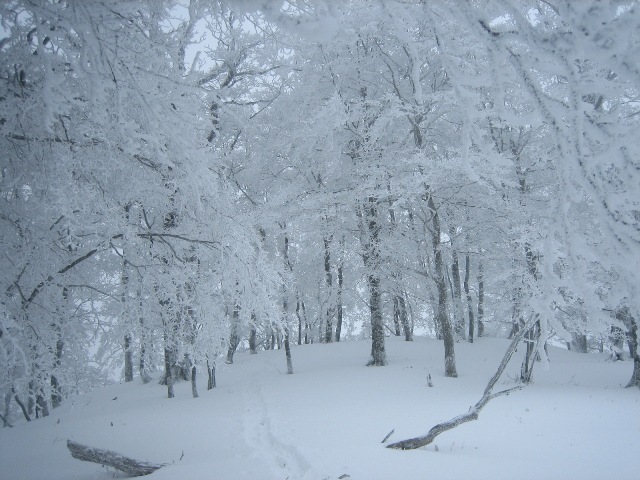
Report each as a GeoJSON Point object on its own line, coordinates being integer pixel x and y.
{"type": "Point", "coordinates": [285, 460]}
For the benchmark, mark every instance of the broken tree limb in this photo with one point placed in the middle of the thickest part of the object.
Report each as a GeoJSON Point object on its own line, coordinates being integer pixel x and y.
{"type": "Point", "coordinates": [108, 458]}
{"type": "Point", "coordinates": [474, 411]}
{"type": "Point", "coordinates": [388, 435]}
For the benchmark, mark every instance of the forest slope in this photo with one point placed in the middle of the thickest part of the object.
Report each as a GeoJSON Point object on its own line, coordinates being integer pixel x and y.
{"type": "Point", "coordinates": [328, 419]}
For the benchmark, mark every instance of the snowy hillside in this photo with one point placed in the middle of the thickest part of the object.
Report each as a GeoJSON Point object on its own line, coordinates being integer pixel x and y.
{"type": "Point", "coordinates": [329, 418]}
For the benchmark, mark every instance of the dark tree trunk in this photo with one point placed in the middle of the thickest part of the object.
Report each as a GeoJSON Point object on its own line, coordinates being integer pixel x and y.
{"type": "Point", "coordinates": [457, 290]}
{"type": "Point", "coordinates": [632, 337]}
{"type": "Point", "coordinates": [142, 364]}
{"type": "Point", "coordinates": [579, 343]}
{"type": "Point", "coordinates": [396, 316]}
{"type": "Point", "coordinates": [442, 314]}
{"type": "Point", "coordinates": [285, 309]}
{"type": "Point", "coordinates": [404, 319]}
{"type": "Point", "coordinates": [168, 369]}
{"type": "Point", "coordinates": [7, 406]}
{"type": "Point", "coordinates": [234, 341]}
{"type": "Point", "coordinates": [287, 351]}
{"type": "Point", "coordinates": [128, 359]}
{"type": "Point", "coordinates": [42, 406]}
{"type": "Point", "coordinates": [7, 409]}
{"type": "Point", "coordinates": [531, 337]}
{"type": "Point", "coordinates": [56, 389]}
{"type": "Point", "coordinates": [378, 354]}
{"type": "Point", "coordinates": [372, 261]}
{"type": "Point", "coordinates": [480, 301]}
{"type": "Point", "coordinates": [234, 337]}
{"type": "Point", "coordinates": [194, 388]}
{"type": "Point", "coordinates": [211, 373]}
{"type": "Point", "coordinates": [124, 278]}
{"type": "Point", "coordinates": [328, 330]}
{"type": "Point", "coordinates": [533, 334]}
{"type": "Point", "coordinates": [339, 298]}
{"type": "Point", "coordinates": [253, 347]}
{"type": "Point", "coordinates": [31, 398]}
{"type": "Point", "coordinates": [56, 395]}
{"type": "Point", "coordinates": [467, 265]}
{"type": "Point", "coordinates": [634, 381]}
{"type": "Point", "coordinates": [299, 317]}
{"type": "Point", "coordinates": [271, 341]}
{"type": "Point", "coordinates": [22, 406]}
{"type": "Point", "coordinates": [516, 294]}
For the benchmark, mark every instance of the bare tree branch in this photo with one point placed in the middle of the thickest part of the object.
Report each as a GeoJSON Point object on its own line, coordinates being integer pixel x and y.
{"type": "Point", "coordinates": [474, 411]}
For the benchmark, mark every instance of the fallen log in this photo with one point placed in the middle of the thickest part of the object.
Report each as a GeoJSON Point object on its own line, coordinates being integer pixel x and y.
{"type": "Point", "coordinates": [474, 411]}
{"type": "Point", "coordinates": [108, 458]}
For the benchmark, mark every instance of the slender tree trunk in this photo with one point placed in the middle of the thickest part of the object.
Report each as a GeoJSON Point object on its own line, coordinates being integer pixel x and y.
{"type": "Point", "coordinates": [372, 260]}
{"type": "Point", "coordinates": [633, 350]}
{"type": "Point", "coordinates": [42, 406]}
{"type": "Point", "coordinates": [404, 319]}
{"type": "Point", "coordinates": [143, 361]}
{"type": "Point", "coordinates": [299, 317]}
{"type": "Point", "coordinates": [339, 298]}
{"type": "Point", "coordinates": [31, 398]}
{"type": "Point", "coordinates": [287, 351]}
{"type": "Point", "coordinates": [285, 309]}
{"type": "Point", "coordinates": [531, 341]}
{"type": "Point", "coordinates": [396, 316]}
{"type": "Point", "coordinates": [234, 336]}
{"type": "Point", "coordinates": [211, 373]}
{"type": "Point", "coordinates": [328, 331]}
{"type": "Point", "coordinates": [378, 354]}
{"type": "Point", "coordinates": [480, 301]}
{"type": "Point", "coordinates": [457, 290]}
{"type": "Point", "coordinates": [516, 295]}
{"type": "Point", "coordinates": [7, 409]}
{"type": "Point", "coordinates": [467, 264]}
{"type": "Point", "coordinates": [25, 411]}
{"type": "Point", "coordinates": [128, 359]}
{"type": "Point", "coordinates": [533, 334]}
{"type": "Point", "coordinates": [399, 308]}
{"type": "Point", "coordinates": [56, 389]}
{"type": "Point", "coordinates": [272, 341]}
{"type": "Point", "coordinates": [634, 381]}
{"type": "Point", "coordinates": [253, 347]}
{"type": "Point", "coordinates": [442, 314]}
{"type": "Point", "coordinates": [124, 279]}
{"type": "Point", "coordinates": [168, 368]}
{"type": "Point", "coordinates": [194, 388]}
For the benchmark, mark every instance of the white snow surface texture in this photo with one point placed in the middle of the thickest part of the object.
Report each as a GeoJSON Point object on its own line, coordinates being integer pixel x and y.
{"type": "Point", "coordinates": [328, 420]}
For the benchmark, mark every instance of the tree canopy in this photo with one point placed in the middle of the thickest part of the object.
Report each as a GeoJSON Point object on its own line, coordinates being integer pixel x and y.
{"type": "Point", "coordinates": [179, 178]}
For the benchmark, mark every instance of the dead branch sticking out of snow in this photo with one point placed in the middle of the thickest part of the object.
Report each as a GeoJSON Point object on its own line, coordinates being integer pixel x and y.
{"type": "Point", "coordinates": [474, 411]}
{"type": "Point", "coordinates": [108, 458]}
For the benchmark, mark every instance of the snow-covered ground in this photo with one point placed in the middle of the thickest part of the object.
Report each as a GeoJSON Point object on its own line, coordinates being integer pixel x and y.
{"type": "Point", "coordinates": [329, 418]}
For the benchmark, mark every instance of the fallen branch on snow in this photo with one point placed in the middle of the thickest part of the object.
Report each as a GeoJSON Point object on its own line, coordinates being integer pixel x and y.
{"type": "Point", "coordinates": [474, 411]}
{"type": "Point", "coordinates": [108, 458]}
